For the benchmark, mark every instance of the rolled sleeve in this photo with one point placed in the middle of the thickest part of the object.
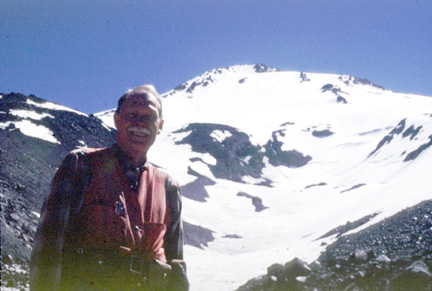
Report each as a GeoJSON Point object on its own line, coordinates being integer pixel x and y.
{"type": "Point", "coordinates": [45, 265]}
{"type": "Point", "coordinates": [174, 236]}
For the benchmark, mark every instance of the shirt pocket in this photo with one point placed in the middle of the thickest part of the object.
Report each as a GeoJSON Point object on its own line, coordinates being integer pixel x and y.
{"type": "Point", "coordinates": [102, 227]}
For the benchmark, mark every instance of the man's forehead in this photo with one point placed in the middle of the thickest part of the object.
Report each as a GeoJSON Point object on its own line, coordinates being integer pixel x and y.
{"type": "Point", "coordinates": [141, 99]}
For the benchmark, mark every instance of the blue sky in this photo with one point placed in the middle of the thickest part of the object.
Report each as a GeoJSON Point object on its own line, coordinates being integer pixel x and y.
{"type": "Point", "coordinates": [85, 54]}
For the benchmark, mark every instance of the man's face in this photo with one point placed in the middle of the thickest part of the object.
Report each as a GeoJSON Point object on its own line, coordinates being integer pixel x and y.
{"type": "Point", "coordinates": [138, 124]}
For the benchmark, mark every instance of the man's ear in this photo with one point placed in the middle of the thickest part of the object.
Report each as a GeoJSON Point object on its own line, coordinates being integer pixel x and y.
{"type": "Point", "coordinates": [161, 123]}
{"type": "Point", "coordinates": [116, 119]}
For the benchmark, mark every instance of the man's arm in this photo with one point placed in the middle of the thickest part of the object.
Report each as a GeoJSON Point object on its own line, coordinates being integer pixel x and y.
{"type": "Point", "coordinates": [174, 241]}
{"type": "Point", "coordinates": [174, 236]}
{"type": "Point", "coordinates": [45, 266]}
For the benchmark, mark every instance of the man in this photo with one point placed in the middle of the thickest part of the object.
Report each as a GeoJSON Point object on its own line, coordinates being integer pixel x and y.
{"type": "Point", "coordinates": [112, 220]}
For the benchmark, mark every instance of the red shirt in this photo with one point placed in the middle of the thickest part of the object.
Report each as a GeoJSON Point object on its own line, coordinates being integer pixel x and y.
{"type": "Point", "coordinates": [93, 205]}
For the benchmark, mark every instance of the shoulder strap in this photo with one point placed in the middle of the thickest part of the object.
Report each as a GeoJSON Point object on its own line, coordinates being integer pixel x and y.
{"type": "Point", "coordinates": [156, 205]}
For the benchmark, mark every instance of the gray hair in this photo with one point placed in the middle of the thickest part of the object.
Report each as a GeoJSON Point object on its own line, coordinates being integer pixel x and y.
{"type": "Point", "coordinates": [143, 89]}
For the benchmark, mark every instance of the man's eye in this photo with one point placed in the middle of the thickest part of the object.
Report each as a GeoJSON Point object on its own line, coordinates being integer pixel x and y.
{"type": "Point", "coordinates": [147, 118]}
{"type": "Point", "coordinates": [133, 117]}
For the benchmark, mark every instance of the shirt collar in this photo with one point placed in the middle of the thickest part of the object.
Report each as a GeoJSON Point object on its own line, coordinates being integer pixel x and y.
{"type": "Point", "coordinates": [126, 161]}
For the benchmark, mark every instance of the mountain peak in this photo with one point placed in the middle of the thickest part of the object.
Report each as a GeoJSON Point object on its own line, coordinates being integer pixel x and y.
{"type": "Point", "coordinates": [211, 76]}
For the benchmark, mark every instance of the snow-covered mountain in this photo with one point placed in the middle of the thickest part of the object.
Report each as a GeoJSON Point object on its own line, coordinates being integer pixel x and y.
{"type": "Point", "coordinates": [273, 160]}
{"type": "Point", "coordinates": [273, 164]}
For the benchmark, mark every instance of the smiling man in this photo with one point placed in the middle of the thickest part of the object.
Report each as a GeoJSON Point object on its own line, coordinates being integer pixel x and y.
{"type": "Point", "coordinates": [112, 220]}
{"type": "Point", "coordinates": [138, 119]}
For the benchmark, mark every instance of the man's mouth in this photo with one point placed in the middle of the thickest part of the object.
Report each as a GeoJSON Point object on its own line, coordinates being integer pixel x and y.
{"type": "Point", "coordinates": [139, 131]}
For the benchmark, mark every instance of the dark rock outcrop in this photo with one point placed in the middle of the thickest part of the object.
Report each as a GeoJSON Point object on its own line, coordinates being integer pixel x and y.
{"type": "Point", "coordinates": [230, 154]}
{"type": "Point", "coordinates": [27, 165]}
{"type": "Point", "coordinates": [256, 201]}
{"type": "Point", "coordinates": [235, 155]}
{"type": "Point", "coordinates": [196, 235]}
{"type": "Point", "coordinates": [279, 157]}
{"type": "Point", "coordinates": [412, 133]}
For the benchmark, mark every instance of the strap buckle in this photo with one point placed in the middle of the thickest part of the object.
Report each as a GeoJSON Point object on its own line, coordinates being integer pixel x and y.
{"type": "Point", "coordinates": [136, 264]}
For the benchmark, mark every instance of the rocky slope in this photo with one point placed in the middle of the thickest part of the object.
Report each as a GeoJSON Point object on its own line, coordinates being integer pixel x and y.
{"type": "Point", "coordinates": [27, 164]}
{"type": "Point", "coordinates": [393, 255]}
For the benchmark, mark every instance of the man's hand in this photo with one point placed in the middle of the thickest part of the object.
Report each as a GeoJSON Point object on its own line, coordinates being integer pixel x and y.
{"type": "Point", "coordinates": [158, 274]}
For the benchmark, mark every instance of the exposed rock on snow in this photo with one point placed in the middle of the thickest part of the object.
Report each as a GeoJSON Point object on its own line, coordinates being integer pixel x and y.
{"type": "Point", "coordinates": [256, 201]}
